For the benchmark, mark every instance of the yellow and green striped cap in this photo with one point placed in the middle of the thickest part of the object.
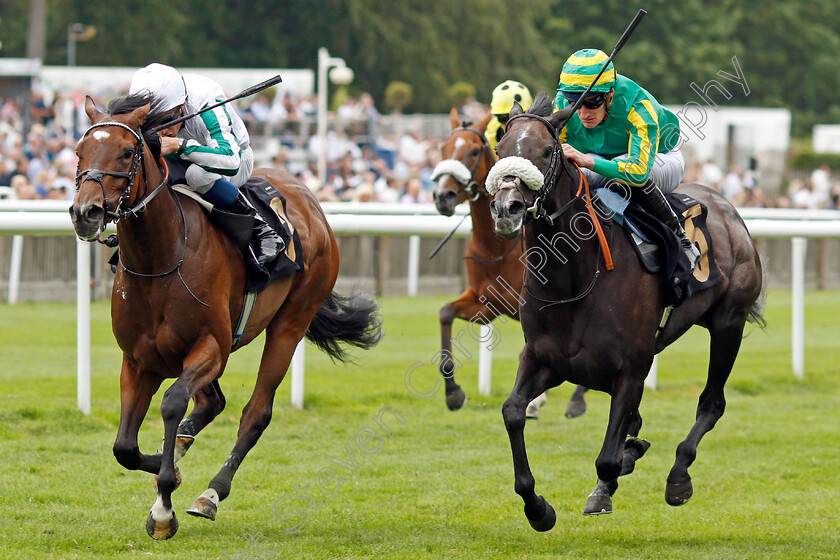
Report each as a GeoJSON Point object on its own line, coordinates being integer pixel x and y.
{"type": "Point", "coordinates": [582, 67]}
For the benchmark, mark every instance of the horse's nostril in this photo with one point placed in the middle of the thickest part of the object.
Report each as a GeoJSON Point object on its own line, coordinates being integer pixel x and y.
{"type": "Point", "coordinates": [93, 214]}
{"type": "Point", "coordinates": [516, 207]}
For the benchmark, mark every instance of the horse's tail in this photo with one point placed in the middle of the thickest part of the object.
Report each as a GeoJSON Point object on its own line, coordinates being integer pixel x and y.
{"type": "Point", "coordinates": [756, 313]}
{"type": "Point", "coordinates": [350, 319]}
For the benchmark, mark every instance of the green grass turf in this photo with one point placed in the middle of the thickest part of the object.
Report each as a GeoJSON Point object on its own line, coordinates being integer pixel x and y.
{"type": "Point", "coordinates": [766, 483]}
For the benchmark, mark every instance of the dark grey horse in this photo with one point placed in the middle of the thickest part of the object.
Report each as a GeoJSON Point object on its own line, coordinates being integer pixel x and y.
{"type": "Point", "coordinates": [596, 327]}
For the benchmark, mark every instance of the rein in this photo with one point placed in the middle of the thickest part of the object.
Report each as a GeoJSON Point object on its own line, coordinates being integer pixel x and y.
{"type": "Point", "coordinates": [495, 260]}
{"type": "Point", "coordinates": [177, 267]}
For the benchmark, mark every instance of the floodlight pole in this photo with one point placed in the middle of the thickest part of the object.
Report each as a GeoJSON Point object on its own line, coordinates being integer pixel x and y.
{"type": "Point", "coordinates": [325, 62]}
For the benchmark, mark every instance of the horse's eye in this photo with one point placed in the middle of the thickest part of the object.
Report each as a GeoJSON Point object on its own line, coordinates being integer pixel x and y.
{"type": "Point", "coordinates": [547, 153]}
{"type": "Point", "coordinates": [128, 153]}
{"type": "Point", "coordinates": [475, 152]}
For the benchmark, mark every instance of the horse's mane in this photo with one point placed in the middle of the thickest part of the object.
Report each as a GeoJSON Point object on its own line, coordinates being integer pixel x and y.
{"type": "Point", "coordinates": [157, 115]}
{"type": "Point", "coordinates": [543, 105]}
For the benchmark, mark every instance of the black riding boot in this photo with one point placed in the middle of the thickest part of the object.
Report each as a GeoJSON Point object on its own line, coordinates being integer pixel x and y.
{"type": "Point", "coordinates": [268, 244]}
{"type": "Point", "coordinates": [653, 201]}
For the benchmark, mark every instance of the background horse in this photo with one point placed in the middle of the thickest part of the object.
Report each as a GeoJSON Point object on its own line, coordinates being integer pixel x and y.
{"type": "Point", "coordinates": [179, 291]}
{"type": "Point", "coordinates": [600, 330]}
{"type": "Point", "coordinates": [494, 266]}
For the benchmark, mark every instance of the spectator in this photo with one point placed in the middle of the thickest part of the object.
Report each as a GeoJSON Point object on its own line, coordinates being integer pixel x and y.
{"type": "Point", "coordinates": [821, 183]}
{"type": "Point", "coordinates": [733, 184]}
{"type": "Point", "coordinates": [835, 198]}
{"type": "Point", "coordinates": [711, 175]}
{"type": "Point", "coordinates": [802, 195]}
{"type": "Point", "coordinates": [23, 188]}
{"type": "Point", "coordinates": [413, 192]}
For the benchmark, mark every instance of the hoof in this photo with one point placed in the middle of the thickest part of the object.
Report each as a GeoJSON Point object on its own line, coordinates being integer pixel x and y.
{"type": "Point", "coordinates": [532, 412]}
{"type": "Point", "coordinates": [178, 480]}
{"type": "Point", "coordinates": [161, 530]}
{"type": "Point", "coordinates": [455, 399]}
{"type": "Point", "coordinates": [598, 502]}
{"type": "Point", "coordinates": [678, 494]}
{"type": "Point", "coordinates": [575, 408]}
{"type": "Point", "coordinates": [205, 508]}
{"type": "Point", "coordinates": [544, 520]}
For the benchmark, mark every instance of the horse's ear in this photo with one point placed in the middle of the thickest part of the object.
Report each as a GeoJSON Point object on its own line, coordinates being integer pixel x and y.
{"type": "Point", "coordinates": [559, 118]}
{"type": "Point", "coordinates": [453, 118]}
{"type": "Point", "coordinates": [482, 126]}
{"type": "Point", "coordinates": [516, 109]}
{"type": "Point", "coordinates": [93, 113]}
{"type": "Point", "coordinates": [138, 115]}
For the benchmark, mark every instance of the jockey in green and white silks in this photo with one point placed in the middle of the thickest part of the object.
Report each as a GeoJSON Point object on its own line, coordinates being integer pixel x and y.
{"type": "Point", "coordinates": [216, 141]}
{"type": "Point", "coordinates": [209, 153]}
{"type": "Point", "coordinates": [621, 137]}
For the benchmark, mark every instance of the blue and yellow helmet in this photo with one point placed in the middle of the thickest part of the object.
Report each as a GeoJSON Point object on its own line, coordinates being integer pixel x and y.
{"type": "Point", "coordinates": [581, 68]}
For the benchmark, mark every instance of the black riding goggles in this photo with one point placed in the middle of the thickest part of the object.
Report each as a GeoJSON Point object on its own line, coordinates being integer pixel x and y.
{"type": "Point", "coordinates": [592, 101]}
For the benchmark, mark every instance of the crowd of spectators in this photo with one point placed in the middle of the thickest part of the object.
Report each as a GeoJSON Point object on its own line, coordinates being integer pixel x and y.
{"type": "Point", "coordinates": [743, 189]}
{"type": "Point", "coordinates": [41, 164]}
{"type": "Point", "coordinates": [365, 162]}
{"type": "Point", "coordinates": [362, 165]}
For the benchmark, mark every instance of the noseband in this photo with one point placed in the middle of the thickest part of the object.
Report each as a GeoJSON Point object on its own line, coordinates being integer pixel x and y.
{"type": "Point", "coordinates": [474, 189]}
{"type": "Point", "coordinates": [537, 210]}
{"type": "Point", "coordinates": [95, 174]}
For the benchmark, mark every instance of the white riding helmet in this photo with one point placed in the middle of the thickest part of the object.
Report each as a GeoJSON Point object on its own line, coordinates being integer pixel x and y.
{"type": "Point", "coordinates": [162, 81]}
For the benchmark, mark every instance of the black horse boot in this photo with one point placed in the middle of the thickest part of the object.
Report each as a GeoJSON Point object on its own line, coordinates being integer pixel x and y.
{"type": "Point", "coordinates": [268, 242]}
{"type": "Point", "coordinates": [653, 201]}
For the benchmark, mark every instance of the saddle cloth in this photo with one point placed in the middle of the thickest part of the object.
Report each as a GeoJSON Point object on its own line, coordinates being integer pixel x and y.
{"type": "Point", "coordinates": [658, 248]}
{"type": "Point", "coordinates": [271, 205]}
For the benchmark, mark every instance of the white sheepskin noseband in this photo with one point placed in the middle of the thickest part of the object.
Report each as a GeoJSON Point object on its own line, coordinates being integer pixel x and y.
{"type": "Point", "coordinates": [454, 168]}
{"type": "Point", "coordinates": [514, 166]}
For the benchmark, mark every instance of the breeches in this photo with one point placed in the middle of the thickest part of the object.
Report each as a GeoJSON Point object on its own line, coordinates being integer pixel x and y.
{"type": "Point", "coordinates": [667, 172]}
{"type": "Point", "coordinates": [198, 179]}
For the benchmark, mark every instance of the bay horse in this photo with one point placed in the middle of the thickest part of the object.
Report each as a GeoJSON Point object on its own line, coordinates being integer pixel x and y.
{"type": "Point", "coordinates": [599, 329]}
{"type": "Point", "coordinates": [179, 291]}
{"type": "Point", "coordinates": [495, 268]}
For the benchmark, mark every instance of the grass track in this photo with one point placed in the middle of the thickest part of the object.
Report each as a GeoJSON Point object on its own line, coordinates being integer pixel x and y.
{"type": "Point", "coordinates": [766, 483]}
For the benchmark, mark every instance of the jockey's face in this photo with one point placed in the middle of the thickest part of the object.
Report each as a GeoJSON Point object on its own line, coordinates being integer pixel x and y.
{"type": "Point", "coordinates": [590, 118]}
{"type": "Point", "coordinates": [172, 131]}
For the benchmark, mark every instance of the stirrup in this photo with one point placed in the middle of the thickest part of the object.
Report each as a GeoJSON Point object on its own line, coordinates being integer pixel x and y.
{"type": "Point", "coordinates": [691, 251]}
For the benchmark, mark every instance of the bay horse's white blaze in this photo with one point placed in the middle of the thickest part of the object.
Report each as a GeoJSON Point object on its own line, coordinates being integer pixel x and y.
{"type": "Point", "coordinates": [101, 135]}
{"type": "Point", "coordinates": [459, 142]}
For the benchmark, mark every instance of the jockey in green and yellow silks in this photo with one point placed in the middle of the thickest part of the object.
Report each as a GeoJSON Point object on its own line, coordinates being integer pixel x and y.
{"type": "Point", "coordinates": [501, 102]}
{"type": "Point", "coordinates": [621, 136]}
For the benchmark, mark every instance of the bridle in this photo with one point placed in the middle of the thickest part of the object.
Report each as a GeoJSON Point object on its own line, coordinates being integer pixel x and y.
{"type": "Point", "coordinates": [95, 174]}
{"type": "Point", "coordinates": [537, 209]}
{"type": "Point", "coordinates": [475, 188]}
